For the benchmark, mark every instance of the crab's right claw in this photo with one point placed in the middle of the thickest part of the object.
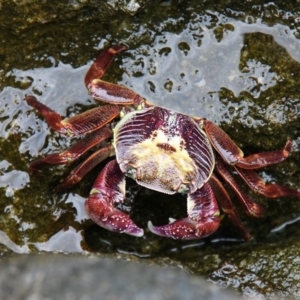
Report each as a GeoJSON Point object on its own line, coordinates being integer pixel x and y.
{"type": "Point", "coordinates": [109, 189]}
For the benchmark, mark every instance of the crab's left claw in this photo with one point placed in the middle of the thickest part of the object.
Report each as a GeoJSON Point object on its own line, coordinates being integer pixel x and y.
{"type": "Point", "coordinates": [203, 218]}
{"type": "Point", "coordinates": [109, 189]}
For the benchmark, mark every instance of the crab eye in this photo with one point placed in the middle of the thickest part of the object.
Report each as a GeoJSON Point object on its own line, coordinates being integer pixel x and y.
{"type": "Point", "coordinates": [131, 172]}
{"type": "Point", "coordinates": [183, 189]}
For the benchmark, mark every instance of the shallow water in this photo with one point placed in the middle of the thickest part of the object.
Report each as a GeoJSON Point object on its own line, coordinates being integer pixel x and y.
{"type": "Point", "coordinates": [234, 66]}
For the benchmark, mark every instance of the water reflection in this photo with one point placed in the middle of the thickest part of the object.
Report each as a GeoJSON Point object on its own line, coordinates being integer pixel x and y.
{"type": "Point", "coordinates": [12, 180]}
{"type": "Point", "coordinates": [64, 241]}
{"type": "Point", "coordinates": [176, 77]}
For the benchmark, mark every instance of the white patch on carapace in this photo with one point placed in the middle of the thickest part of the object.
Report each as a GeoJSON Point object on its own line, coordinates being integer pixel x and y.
{"type": "Point", "coordinates": [148, 149]}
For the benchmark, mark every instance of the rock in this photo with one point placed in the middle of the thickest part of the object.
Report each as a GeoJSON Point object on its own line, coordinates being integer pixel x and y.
{"type": "Point", "coordinates": [26, 14]}
{"type": "Point", "coordinates": [76, 277]}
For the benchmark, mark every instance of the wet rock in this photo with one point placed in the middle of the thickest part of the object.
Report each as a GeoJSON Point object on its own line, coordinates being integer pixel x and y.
{"type": "Point", "coordinates": [26, 14]}
{"type": "Point", "coordinates": [260, 271]}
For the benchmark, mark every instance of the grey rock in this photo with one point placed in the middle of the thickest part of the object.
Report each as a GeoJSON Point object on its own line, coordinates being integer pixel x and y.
{"type": "Point", "coordinates": [41, 277]}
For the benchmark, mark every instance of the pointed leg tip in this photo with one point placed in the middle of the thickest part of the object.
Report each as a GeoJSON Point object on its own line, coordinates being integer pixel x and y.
{"type": "Point", "coordinates": [288, 146]}
{"type": "Point", "coordinates": [29, 99]}
{"type": "Point", "coordinates": [134, 231]}
{"type": "Point", "coordinates": [247, 236]}
{"type": "Point", "coordinates": [118, 48]}
{"type": "Point", "coordinates": [153, 228]}
{"type": "Point", "coordinates": [61, 188]}
{"type": "Point", "coordinates": [34, 170]}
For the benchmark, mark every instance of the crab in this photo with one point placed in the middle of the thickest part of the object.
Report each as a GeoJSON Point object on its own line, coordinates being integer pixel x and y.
{"type": "Point", "coordinates": [162, 150]}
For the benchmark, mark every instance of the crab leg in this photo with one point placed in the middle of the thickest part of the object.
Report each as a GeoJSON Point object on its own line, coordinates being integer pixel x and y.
{"type": "Point", "coordinates": [83, 123]}
{"type": "Point", "coordinates": [105, 91]}
{"type": "Point", "coordinates": [74, 152]}
{"type": "Point", "coordinates": [114, 94]}
{"type": "Point", "coordinates": [109, 189]}
{"type": "Point", "coordinates": [252, 208]}
{"type": "Point", "coordinates": [101, 64]}
{"type": "Point", "coordinates": [203, 217]}
{"type": "Point", "coordinates": [270, 190]}
{"type": "Point", "coordinates": [227, 205]}
{"type": "Point", "coordinates": [233, 155]}
{"type": "Point", "coordinates": [81, 170]}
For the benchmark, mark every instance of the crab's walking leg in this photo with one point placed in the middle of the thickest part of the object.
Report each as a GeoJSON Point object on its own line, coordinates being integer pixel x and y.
{"type": "Point", "coordinates": [203, 217]}
{"type": "Point", "coordinates": [101, 64]}
{"type": "Point", "coordinates": [227, 206]}
{"type": "Point", "coordinates": [83, 123]}
{"type": "Point", "coordinates": [252, 208]}
{"type": "Point", "coordinates": [74, 152]}
{"type": "Point", "coordinates": [233, 155]}
{"type": "Point", "coordinates": [81, 170]}
{"type": "Point", "coordinates": [114, 94]}
{"type": "Point", "coordinates": [109, 189]}
{"type": "Point", "coordinates": [270, 190]}
{"type": "Point", "coordinates": [106, 91]}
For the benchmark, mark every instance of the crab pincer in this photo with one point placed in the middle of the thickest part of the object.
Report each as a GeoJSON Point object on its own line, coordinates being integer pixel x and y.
{"type": "Point", "coordinates": [109, 189]}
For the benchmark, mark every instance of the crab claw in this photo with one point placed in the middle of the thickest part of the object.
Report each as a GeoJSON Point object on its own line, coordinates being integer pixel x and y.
{"type": "Point", "coordinates": [203, 218]}
{"type": "Point", "coordinates": [110, 218]}
{"type": "Point", "coordinates": [185, 229]}
{"type": "Point", "coordinates": [109, 189]}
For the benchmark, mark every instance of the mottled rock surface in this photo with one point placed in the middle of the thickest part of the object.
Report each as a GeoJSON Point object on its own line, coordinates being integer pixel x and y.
{"type": "Point", "coordinates": [43, 276]}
